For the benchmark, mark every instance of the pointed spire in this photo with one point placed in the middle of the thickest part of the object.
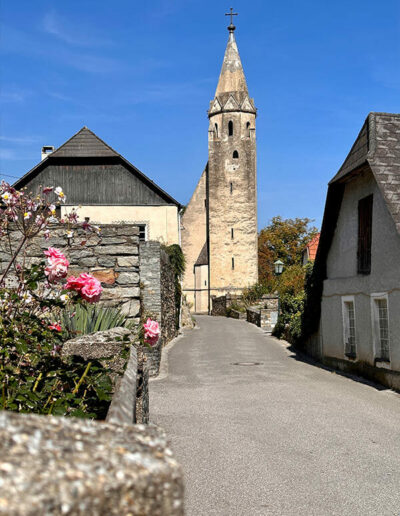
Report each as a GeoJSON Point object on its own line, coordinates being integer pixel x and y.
{"type": "Point", "coordinates": [232, 77]}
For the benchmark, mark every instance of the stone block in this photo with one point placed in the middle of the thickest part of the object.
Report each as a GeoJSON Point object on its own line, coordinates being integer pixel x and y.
{"type": "Point", "coordinates": [120, 293]}
{"type": "Point", "coordinates": [131, 308]}
{"type": "Point", "coordinates": [106, 261]}
{"type": "Point", "coordinates": [53, 465]}
{"type": "Point", "coordinates": [91, 261]}
{"type": "Point", "coordinates": [128, 261]}
{"type": "Point", "coordinates": [106, 346]}
{"type": "Point", "coordinates": [117, 250]}
{"type": "Point", "coordinates": [77, 254]}
{"type": "Point", "coordinates": [107, 276]}
{"type": "Point", "coordinates": [128, 278]}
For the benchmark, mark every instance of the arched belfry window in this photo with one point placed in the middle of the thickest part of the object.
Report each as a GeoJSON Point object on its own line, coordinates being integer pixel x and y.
{"type": "Point", "coordinates": [230, 128]}
{"type": "Point", "coordinates": [216, 130]}
{"type": "Point", "coordinates": [248, 129]}
{"type": "Point", "coordinates": [235, 154]}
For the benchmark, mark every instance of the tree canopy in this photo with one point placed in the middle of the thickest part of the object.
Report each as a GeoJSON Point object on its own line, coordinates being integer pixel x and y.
{"type": "Point", "coordinates": [283, 239]}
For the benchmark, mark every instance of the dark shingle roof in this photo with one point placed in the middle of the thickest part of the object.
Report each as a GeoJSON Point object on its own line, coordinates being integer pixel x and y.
{"type": "Point", "coordinates": [84, 144]}
{"type": "Point", "coordinates": [203, 256]}
{"type": "Point", "coordinates": [378, 145]}
{"type": "Point", "coordinates": [376, 148]}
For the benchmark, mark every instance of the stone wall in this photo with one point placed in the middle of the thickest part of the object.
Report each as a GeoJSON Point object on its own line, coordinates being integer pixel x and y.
{"type": "Point", "coordinates": [218, 306]}
{"type": "Point", "coordinates": [54, 465]}
{"type": "Point", "coordinates": [265, 314]}
{"type": "Point", "coordinates": [113, 259]}
{"type": "Point", "coordinates": [158, 297]}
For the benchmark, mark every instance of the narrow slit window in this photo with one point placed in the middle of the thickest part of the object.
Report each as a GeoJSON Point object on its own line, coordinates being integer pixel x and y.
{"type": "Point", "coordinates": [233, 263]}
{"type": "Point", "coordinates": [231, 188]}
{"type": "Point", "coordinates": [364, 235]}
{"type": "Point", "coordinates": [230, 128]}
{"type": "Point", "coordinates": [248, 129]}
{"type": "Point", "coordinates": [232, 233]}
{"type": "Point", "coordinates": [235, 154]}
{"type": "Point", "coordinates": [216, 130]}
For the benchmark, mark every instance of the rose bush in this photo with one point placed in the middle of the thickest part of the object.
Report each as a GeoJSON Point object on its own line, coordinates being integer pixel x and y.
{"type": "Point", "coordinates": [33, 375]}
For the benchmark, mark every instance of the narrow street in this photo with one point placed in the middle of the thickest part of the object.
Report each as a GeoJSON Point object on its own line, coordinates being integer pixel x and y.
{"type": "Point", "coordinates": [283, 437]}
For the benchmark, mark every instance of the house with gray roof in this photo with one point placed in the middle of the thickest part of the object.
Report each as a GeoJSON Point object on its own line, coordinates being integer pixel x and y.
{"type": "Point", "coordinates": [352, 312]}
{"type": "Point", "coordinates": [105, 187]}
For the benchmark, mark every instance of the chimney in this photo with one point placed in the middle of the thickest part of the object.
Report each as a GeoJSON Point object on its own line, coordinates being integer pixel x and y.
{"type": "Point", "coordinates": [46, 150]}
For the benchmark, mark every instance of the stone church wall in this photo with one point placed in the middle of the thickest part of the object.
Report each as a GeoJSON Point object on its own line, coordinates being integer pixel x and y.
{"type": "Point", "coordinates": [193, 234]}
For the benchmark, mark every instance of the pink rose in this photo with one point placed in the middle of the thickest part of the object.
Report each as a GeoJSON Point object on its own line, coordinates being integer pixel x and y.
{"type": "Point", "coordinates": [57, 265]}
{"type": "Point", "coordinates": [56, 270]}
{"type": "Point", "coordinates": [74, 283]}
{"type": "Point", "coordinates": [52, 252]}
{"type": "Point", "coordinates": [151, 332]}
{"type": "Point", "coordinates": [92, 290]}
{"type": "Point", "coordinates": [87, 286]}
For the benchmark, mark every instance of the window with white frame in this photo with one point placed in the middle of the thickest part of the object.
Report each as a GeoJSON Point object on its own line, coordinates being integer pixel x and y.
{"type": "Point", "coordinates": [349, 326]}
{"type": "Point", "coordinates": [380, 325]}
{"type": "Point", "coordinates": [142, 232]}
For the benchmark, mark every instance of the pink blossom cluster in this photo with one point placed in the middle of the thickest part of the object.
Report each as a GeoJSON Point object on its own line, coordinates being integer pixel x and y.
{"type": "Point", "coordinates": [57, 265]}
{"type": "Point", "coordinates": [151, 332]}
{"type": "Point", "coordinates": [87, 286]}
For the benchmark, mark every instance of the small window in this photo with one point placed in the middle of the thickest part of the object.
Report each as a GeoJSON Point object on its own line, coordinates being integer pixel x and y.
{"type": "Point", "coordinates": [364, 235]}
{"type": "Point", "coordinates": [205, 283]}
{"type": "Point", "coordinates": [216, 130]}
{"type": "Point", "coordinates": [235, 155]}
{"type": "Point", "coordinates": [380, 322]}
{"type": "Point", "coordinates": [231, 187]}
{"type": "Point", "coordinates": [230, 128]}
{"type": "Point", "coordinates": [349, 326]}
{"type": "Point", "coordinates": [233, 263]}
{"type": "Point", "coordinates": [142, 232]}
{"type": "Point", "coordinates": [232, 233]}
{"type": "Point", "coordinates": [205, 203]}
{"type": "Point", "coordinates": [248, 129]}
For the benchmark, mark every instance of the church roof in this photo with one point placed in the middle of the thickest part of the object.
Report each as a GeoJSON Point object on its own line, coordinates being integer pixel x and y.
{"type": "Point", "coordinates": [203, 256]}
{"type": "Point", "coordinates": [86, 144]}
{"type": "Point", "coordinates": [232, 77]}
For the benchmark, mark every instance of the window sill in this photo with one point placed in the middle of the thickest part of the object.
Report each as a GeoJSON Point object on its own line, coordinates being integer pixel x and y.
{"type": "Point", "coordinates": [382, 363]}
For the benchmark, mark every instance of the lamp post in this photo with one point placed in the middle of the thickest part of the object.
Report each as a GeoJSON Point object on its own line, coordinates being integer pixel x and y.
{"type": "Point", "coordinates": [278, 271]}
{"type": "Point", "coordinates": [278, 267]}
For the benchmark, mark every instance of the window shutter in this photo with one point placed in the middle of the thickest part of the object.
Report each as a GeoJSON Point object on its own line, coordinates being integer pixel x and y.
{"type": "Point", "coordinates": [364, 235]}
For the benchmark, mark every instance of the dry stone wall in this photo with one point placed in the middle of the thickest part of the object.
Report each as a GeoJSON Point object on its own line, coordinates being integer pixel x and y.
{"type": "Point", "coordinates": [113, 259]}
{"type": "Point", "coordinates": [158, 297]}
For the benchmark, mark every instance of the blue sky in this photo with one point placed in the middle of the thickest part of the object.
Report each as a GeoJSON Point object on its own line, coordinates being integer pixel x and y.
{"type": "Point", "coordinates": [141, 75]}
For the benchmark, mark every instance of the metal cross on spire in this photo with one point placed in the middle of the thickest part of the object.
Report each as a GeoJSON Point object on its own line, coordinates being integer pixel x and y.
{"type": "Point", "coordinates": [231, 27]}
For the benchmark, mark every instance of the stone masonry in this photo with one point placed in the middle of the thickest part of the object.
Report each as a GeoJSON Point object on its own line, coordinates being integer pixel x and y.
{"type": "Point", "coordinates": [158, 297]}
{"type": "Point", "coordinates": [113, 259]}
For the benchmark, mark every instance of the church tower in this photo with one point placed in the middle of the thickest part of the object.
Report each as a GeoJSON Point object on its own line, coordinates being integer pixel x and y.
{"type": "Point", "coordinates": [232, 184]}
{"type": "Point", "coordinates": [219, 226]}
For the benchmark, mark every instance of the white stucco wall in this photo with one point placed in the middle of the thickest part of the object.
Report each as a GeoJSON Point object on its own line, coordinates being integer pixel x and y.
{"type": "Point", "coordinates": [343, 280]}
{"type": "Point", "coordinates": [162, 221]}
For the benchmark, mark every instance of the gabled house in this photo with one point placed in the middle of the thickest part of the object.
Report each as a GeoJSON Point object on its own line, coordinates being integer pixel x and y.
{"type": "Point", "coordinates": [353, 309]}
{"type": "Point", "coordinates": [106, 187]}
{"type": "Point", "coordinates": [310, 251]}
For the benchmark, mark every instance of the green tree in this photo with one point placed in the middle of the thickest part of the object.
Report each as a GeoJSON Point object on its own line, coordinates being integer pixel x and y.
{"type": "Point", "coordinates": [283, 239]}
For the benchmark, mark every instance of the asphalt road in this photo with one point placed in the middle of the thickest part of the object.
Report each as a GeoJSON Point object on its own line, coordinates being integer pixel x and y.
{"type": "Point", "coordinates": [284, 437]}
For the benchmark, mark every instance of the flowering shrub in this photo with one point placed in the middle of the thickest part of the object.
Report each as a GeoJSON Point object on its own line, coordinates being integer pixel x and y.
{"type": "Point", "coordinates": [33, 375]}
